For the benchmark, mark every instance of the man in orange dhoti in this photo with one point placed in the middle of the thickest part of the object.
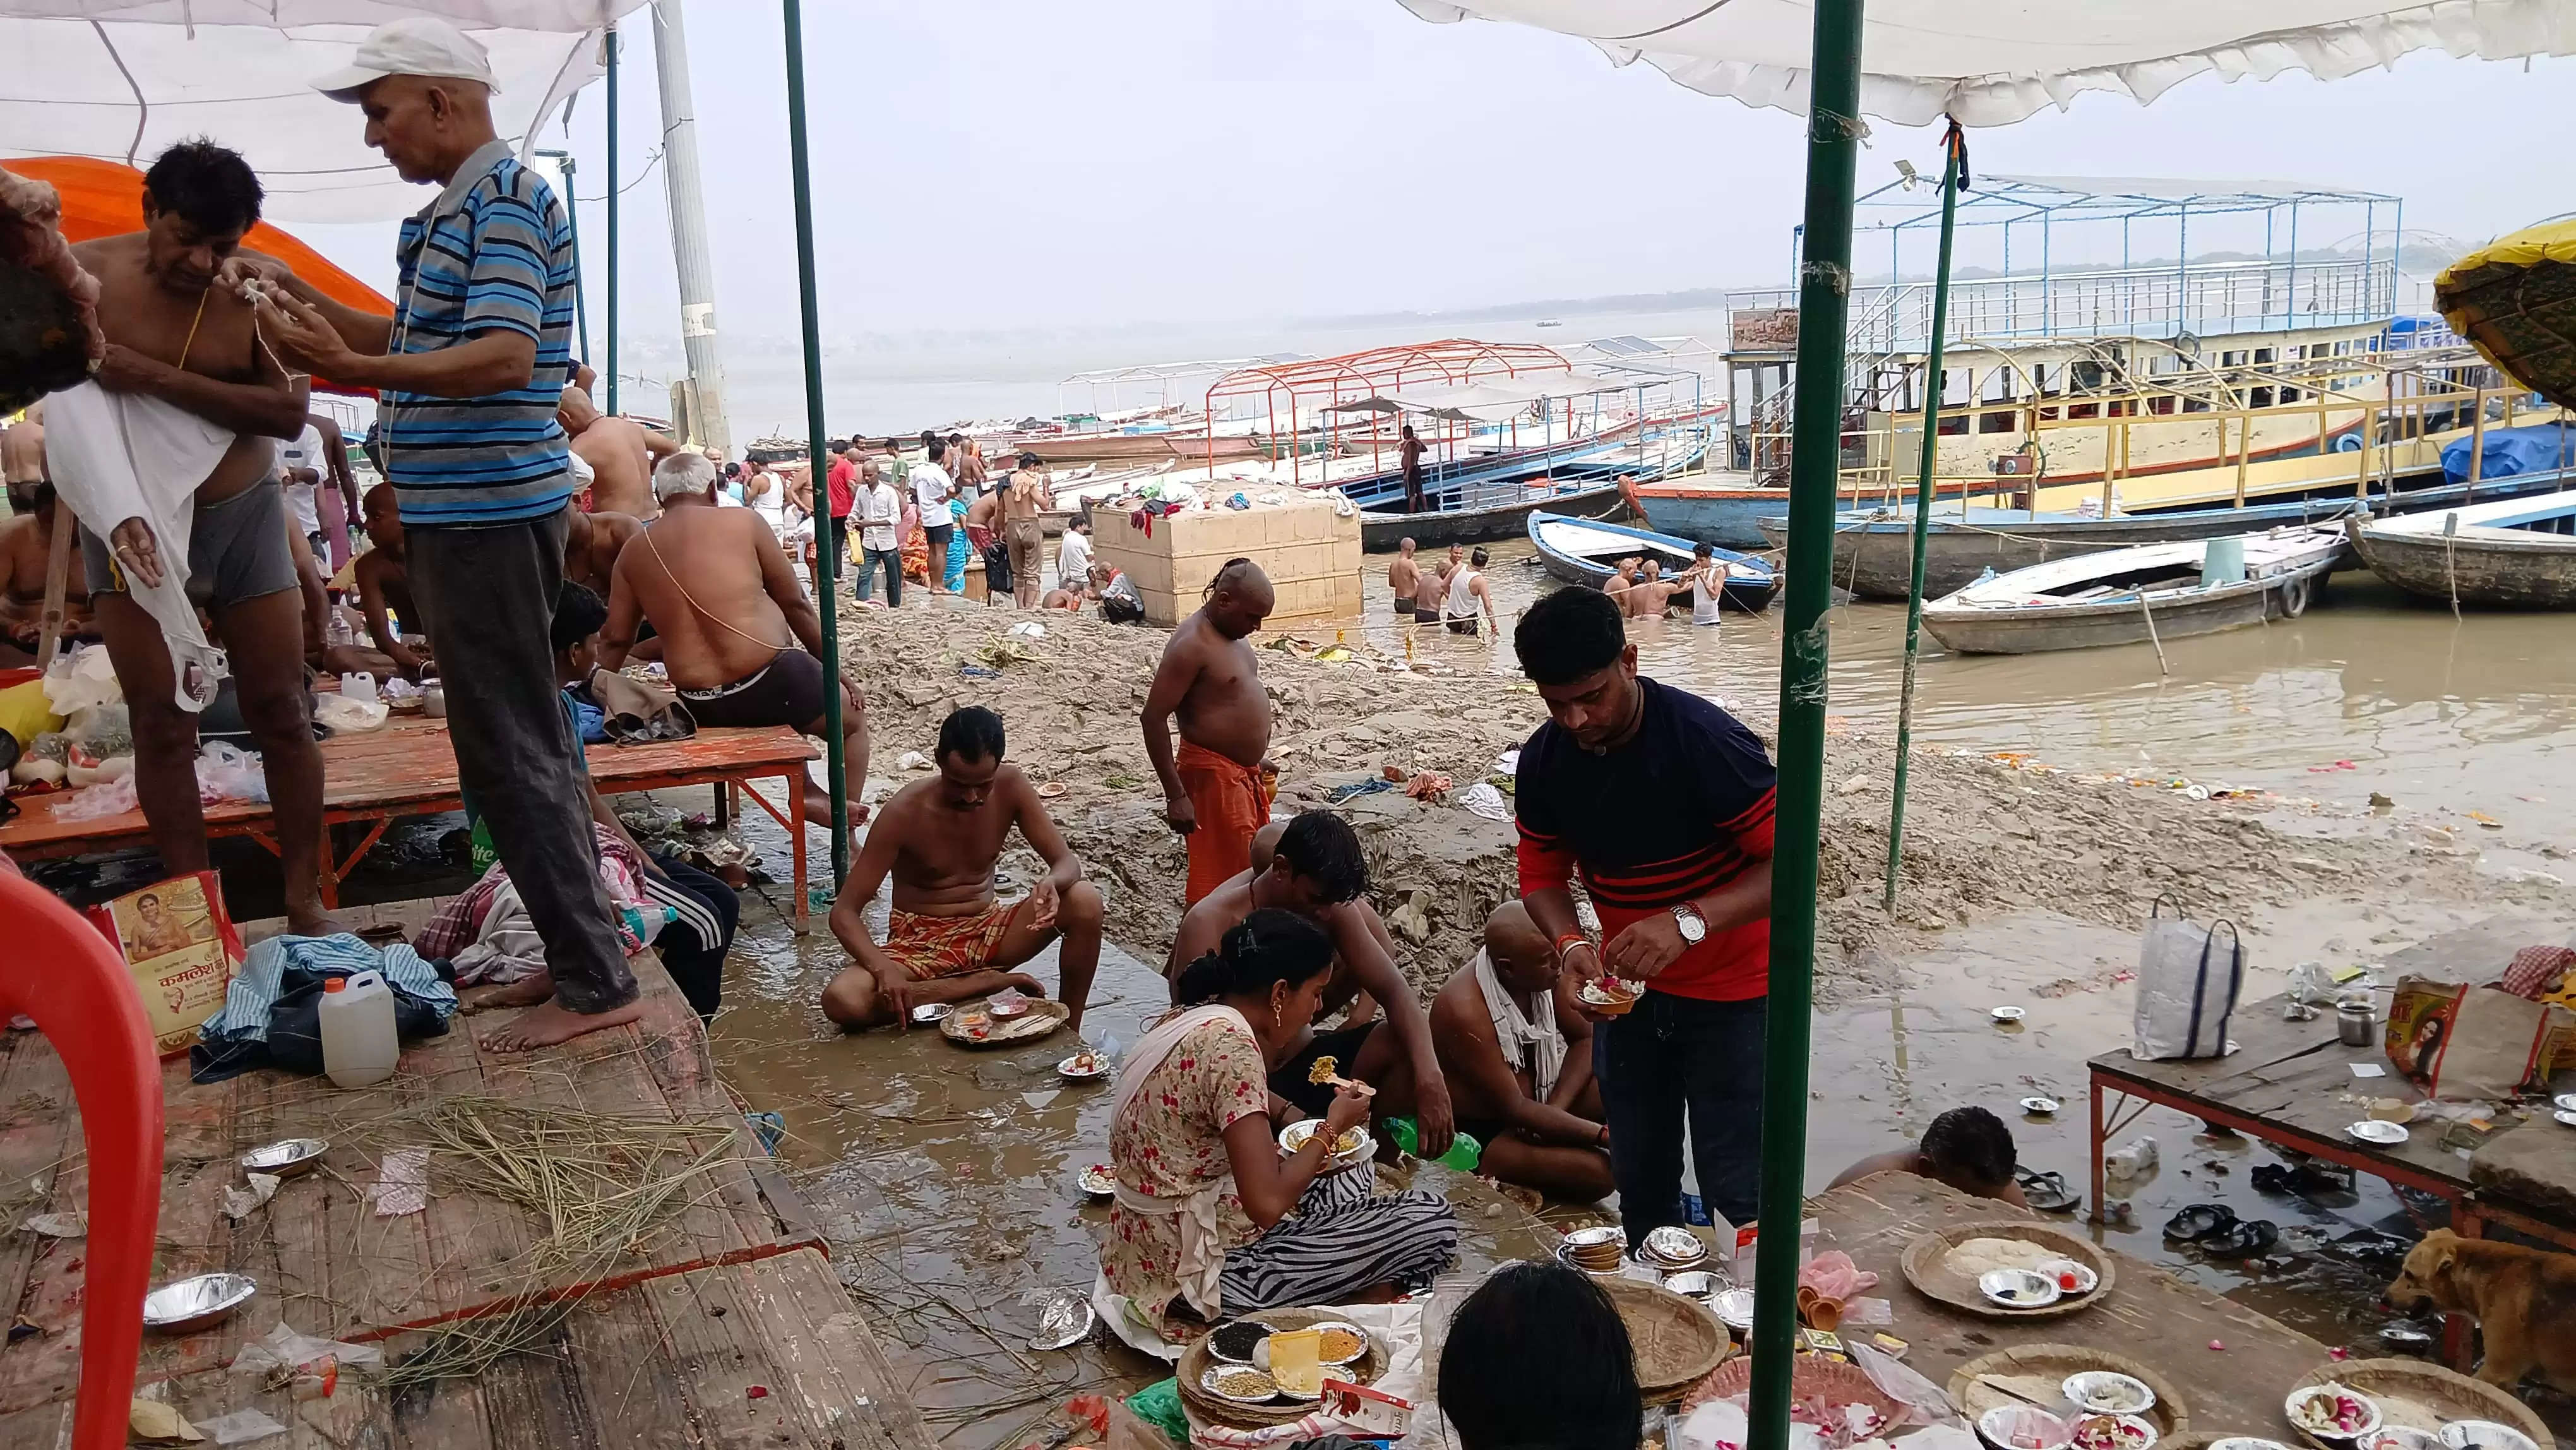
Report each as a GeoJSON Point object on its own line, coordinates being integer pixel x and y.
{"type": "Point", "coordinates": [1214, 791]}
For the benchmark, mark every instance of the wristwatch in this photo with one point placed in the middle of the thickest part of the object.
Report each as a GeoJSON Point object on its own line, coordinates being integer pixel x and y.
{"type": "Point", "coordinates": [1694, 926]}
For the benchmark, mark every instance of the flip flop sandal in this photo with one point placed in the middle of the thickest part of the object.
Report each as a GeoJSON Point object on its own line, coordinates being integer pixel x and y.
{"type": "Point", "coordinates": [2246, 1240]}
{"type": "Point", "coordinates": [2199, 1223]}
{"type": "Point", "coordinates": [2046, 1192]}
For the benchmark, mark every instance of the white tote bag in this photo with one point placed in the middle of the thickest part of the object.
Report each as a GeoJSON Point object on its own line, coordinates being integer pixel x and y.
{"type": "Point", "coordinates": [2188, 980]}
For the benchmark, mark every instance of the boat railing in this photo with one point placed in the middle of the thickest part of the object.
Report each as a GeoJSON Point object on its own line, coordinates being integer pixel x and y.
{"type": "Point", "coordinates": [2203, 300]}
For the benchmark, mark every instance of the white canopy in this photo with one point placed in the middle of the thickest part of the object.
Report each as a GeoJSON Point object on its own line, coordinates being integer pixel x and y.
{"type": "Point", "coordinates": [121, 79]}
{"type": "Point", "coordinates": [1993, 62]}
{"type": "Point", "coordinates": [1485, 399]}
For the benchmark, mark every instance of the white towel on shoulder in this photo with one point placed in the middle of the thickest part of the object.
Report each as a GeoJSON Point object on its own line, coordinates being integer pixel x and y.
{"type": "Point", "coordinates": [117, 456]}
{"type": "Point", "coordinates": [1527, 1032]}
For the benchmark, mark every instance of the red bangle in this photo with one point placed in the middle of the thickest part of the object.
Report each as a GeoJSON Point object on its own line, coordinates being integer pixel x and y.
{"type": "Point", "coordinates": [1576, 937]}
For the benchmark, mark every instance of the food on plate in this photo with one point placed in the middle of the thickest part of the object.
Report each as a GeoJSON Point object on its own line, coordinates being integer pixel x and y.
{"type": "Point", "coordinates": [2022, 1427]}
{"type": "Point", "coordinates": [1296, 1361]}
{"type": "Point", "coordinates": [2018, 1288]}
{"type": "Point", "coordinates": [1085, 1063]}
{"type": "Point", "coordinates": [2112, 1432]}
{"type": "Point", "coordinates": [2071, 1277]}
{"type": "Point", "coordinates": [1294, 1137]}
{"type": "Point", "coordinates": [1975, 1258]}
{"type": "Point", "coordinates": [1338, 1344]}
{"type": "Point", "coordinates": [1609, 991]}
{"type": "Point", "coordinates": [2333, 1410]}
{"type": "Point", "coordinates": [1238, 1340]}
{"type": "Point", "coordinates": [1098, 1181]}
{"type": "Point", "coordinates": [1241, 1382]}
{"type": "Point", "coordinates": [2106, 1393]}
{"type": "Point", "coordinates": [1323, 1071]}
{"type": "Point", "coordinates": [975, 1025]}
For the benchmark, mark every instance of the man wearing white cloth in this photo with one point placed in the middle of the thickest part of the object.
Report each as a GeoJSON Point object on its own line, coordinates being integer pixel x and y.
{"type": "Point", "coordinates": [170, 455]}
{"type": "Point", "coordinates": [1518, 1057]}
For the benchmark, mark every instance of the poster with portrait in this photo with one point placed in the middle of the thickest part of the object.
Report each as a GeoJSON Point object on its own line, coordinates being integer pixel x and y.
{"type": "Point", "coordinates": [182, 949]}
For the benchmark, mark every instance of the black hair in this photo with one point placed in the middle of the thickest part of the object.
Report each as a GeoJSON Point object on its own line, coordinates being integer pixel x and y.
{"type": "Point", "coordinates": [1479, 556]}
{"type": "Point", "coordinates": [956, 438]}
{"type": "Point", "coordinates": [1216, 581]}
{"type": "Point", "coordinates": [579, 614]}
{"type": "Point", "coordinates": [938, 450]}
{"type": "Point", "coordinates": [1268, 946]}
{"type": "Point", "coordinates": [1569, 634]}
{"type": "Point", "coordinates": [1539, 1356]}
{"type": "Point", "coordinates": [929, 435]}
{"type": "Point", "coordinates": [1971, 1143]}
{"type": "Point", "coordinates": [970, 732]}
{"type": "Point", "coordinates": [836, 445]}
{"type": "Point", "coordinates": [894, 445]}
{"type": "Point", "coordinates": [1323, 848]}
{"type": "Point", "coordinates": [1702, 551]}
{"type": "Point", "coordinates": [209, 186]}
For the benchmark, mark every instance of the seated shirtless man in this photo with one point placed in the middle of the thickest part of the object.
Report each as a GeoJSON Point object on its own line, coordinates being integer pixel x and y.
{"type": "Point", "coordinates": [1519, 1056]}
{"type": "Point", "coordinates": [725, 604]}
{"type": "Point", "coordinates": [948, 935]}
{"type": "Point", "coordinates": [1317, 871]}
{"type": "Point", "coordinates": [592, 545]}
{"type": "Point", "coordinates": [26, 553]}
{"type": "Point", "coordinates": [383, 577]}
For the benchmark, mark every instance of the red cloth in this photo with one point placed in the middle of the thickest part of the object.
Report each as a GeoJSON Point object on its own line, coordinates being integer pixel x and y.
{"type": "Point", "coordinates": [842, 481]}
{"type": "Point", "coordinates": [1232, 806]}
{"type": "Point", "coordinates": [1733, 965]}
{"type": "Point", "coordinates": [2535, 969]}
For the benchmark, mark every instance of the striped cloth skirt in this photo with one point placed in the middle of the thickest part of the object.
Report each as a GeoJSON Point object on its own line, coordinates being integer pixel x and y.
{"type": "Point", "coordinates": [1345, 1237]}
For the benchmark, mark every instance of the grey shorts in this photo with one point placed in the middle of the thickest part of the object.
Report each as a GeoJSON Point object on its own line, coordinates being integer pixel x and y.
{"type": "Point", "coordinates": [237, 550]}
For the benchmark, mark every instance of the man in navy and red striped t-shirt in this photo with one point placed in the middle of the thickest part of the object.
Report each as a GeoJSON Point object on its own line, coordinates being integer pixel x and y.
{"type": "Point", "coordinates": [1661, 802]}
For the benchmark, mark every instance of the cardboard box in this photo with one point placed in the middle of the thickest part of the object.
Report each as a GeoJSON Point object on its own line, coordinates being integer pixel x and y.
{"type": "Point", "coordinates": [183, 950]}
{"type": "Point", "coordinates": [1310, 550]}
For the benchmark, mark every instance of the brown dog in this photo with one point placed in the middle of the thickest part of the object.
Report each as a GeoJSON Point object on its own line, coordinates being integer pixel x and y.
{"type": "Point", "coordinates": [2523, 1299]}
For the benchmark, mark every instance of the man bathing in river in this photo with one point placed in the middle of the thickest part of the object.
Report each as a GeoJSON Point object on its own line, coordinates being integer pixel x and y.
{"type": "Point", "coordinates": [948, 935]}
{"type": "Point", "coordinates": [1403, 580]}
{"type": "Point", "coordinates": [1213, 791]}
{"type": "Point", "coordinates": [1519, 1056]}
{"type": "Point", "coordinates": [725, 604]}
{"type": "Point", "coordinates": [1318, 872]}
{"type": "Point", "coordinates": [1968, 1149]}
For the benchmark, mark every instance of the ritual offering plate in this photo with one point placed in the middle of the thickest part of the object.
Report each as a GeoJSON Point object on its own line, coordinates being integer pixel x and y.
{"type": "Point", "coordinates": [2023, 1427]}
{"type": "Point", "coordinates": [1354, 1148]}
{"type": "Point", "coordinates": [2400, 1437]}
{"type": "Point", "coordinates": [1097, 1181]}
{"type": "Point", "coordinates": [1609, 996]}
{"type": "Point", "coordinates": [1677, 1341]}
{"type": "Point", "coordinates": [2029, 1264]}
{"type": "Point", "coordinates": [2413, 1395]}
{"type": "Point", "coordinates": [1082, 1066]}
{"type": "Point", "coordinates": [977, 1026]}
{"type": "Point", "coordinates": [2112, 1432]}
{"type": "Point", "coordinates": [1241, 1410]}
{"type": "Point", "coordinates": [2331, 1411]}
{"type": "Point", "coordinates": [1734, 1309]}
{"type": "Point", "coordinates": [2372, 1130]}
{"type": "Point", "coordinates": [286, 1157]}
{"type": "Point", "coordinates": [1238, 1341]}
{"type": "Point", "coordinates": [1597, 1250]}
{"type": "Point", "coordinates": [2091, 1381]}
{"type": "Point", "coordinates": [193, 1304]}
{"type": "Point", "coordinates": [1669, 1248]}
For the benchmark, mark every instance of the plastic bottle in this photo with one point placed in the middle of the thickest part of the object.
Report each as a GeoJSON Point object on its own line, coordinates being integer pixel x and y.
{"type": "Point", "coordinates": [1464, 1151]}
{"type": "Point", "coordinates": [359, 1043]}
{"type": "Point", "coordinates": [2130, 1159]}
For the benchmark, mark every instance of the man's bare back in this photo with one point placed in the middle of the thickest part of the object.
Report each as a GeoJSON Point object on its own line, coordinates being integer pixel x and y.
{"type": "Point", "coordinates": [22, 448]}
{"type": "Point", "coordinates": [700, 576]}
{"type": "Point", "coordinates": [614, 448]}
{"type": "Point", "coordinates": [592, 546]}
{"type": "Point", "coordinates": [1224, 708]}
{"type": "Point", "coordinates": [1404, 578]}
{"type": "Point", "coordinates": [209, 334]}
{"type": "Point", "coordinates": [1025, 495]}
{"type": "Point", "coordinates": [26, 551]}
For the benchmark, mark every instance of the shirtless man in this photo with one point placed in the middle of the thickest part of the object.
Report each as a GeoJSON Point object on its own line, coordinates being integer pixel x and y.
{"type": "Point", "coordinates": [22, 449]}
{"type": "Point", "coordinates": [1213, 791]}
{"type": "Point", "coordinates": [1317, 871]}
{"type": "Point", "coordinates": [383, 577]}
{"type": "Point", "coordinates": [949, 937]}
{"type": "Point", "coordinates": [1519, 1056]}
{"type": "Point", "coordinates": [1024, 496]}
{"type": "Point", "coordinates": [175, 335]}
{"type": "Point", "coordinates": [1652, 593]}
{"type": "Point", "coordinates": [1403, 580]}
{"type": "Point", "coordinates": [592, 545]}
{"type": "Point", "coordinates": [1430, 591]}
{"type": "Point", "coordinates": [26, 554]}
{"type": "Point", "coordinates": [1969, 1149]}
{"type": "Point", "coordinates": [725, 604]}
{"type": "Point", "coordinates": [617, 453]}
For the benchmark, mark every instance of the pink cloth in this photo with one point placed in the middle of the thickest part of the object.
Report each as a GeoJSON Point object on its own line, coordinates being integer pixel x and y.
{"type": "Point", "coordinates": [460, 921]}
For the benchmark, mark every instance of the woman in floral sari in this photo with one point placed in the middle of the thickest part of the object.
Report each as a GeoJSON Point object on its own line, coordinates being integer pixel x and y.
{"type": "Point", "coordinates": [1211, 1221]}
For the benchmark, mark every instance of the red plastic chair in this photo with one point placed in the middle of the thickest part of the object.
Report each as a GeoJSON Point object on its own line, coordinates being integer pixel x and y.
{"type": "Point", "coordinates": [59, 970]}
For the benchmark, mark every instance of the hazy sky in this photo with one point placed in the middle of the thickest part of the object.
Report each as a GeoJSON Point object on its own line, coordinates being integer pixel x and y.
{"type": "Point", "coordinates": [1001, 164]}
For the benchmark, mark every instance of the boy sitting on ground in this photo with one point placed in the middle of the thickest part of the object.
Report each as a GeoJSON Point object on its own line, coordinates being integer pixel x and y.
{"type": "Point", "coordinates": [1519, 1060]}
{"type": "Point", "coordinates": [1968, 1149]}
{"type": "Point", "coordinates": [949, 936]}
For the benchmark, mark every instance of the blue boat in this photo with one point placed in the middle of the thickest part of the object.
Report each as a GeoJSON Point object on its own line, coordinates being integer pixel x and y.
{"type": "Point", "coordinates": [1582, 551]}
{"type": "Point", "coordinates": [1492, 496]}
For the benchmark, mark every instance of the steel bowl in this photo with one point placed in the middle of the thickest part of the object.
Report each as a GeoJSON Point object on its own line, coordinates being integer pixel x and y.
{"type": "Point", "coordinates": [2006, 1014]}
{"type": "Point", "coordinates": [2040, 1107]}
{"type": "Point", "coordinates": [2377, 1133]}
{"type": "Point", "coordinates": [286, 1157]}
{"type": "Point", "coordinates": [2330, 1390]}
{"type": "Point", "coordinates": [2564, 1102]}
{"type": "Point", "coordinates": [2484, 1435]}
{"type": "Point", "coordinates": [1672, 1248]}
{"type": "Point", "coordinates": [1097, 1181]}
{"type": "Point", "coordinates": [1693, 1284]}
{"type": "Point", "coordinates": [2566, 1117]}
{"type": "Point", "coordinates": [2086, 1281]}
{"type": "Point", "coordinates": [933, 1011]}
{"type": "Point", "coordinates": [2019, 1288]}
{"type": "Point", "coordinates": [1734, 1308]}
{"type": "Point", "coordinates": [2051, 1432]}
{"type": "Point", "coordinates": [2105, 1392]}
{"type": "Point", "coordinates": [1213, 1383]}
{"type": "Point", "coordinates": [1294, 1136]}
{"type": "Point", "coordinates": [193, 1304]}
{"type": "Point", "coordinates": [1071, 1069]}
{"type": "Point", "coordinates": [2399, 1437]}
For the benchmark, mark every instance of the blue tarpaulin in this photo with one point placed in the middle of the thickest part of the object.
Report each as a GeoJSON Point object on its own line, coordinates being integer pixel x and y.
{"type": "Point", "coordinates": [2513, 450]}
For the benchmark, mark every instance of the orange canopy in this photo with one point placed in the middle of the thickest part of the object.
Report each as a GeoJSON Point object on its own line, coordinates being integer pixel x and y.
{"type": "Point", "coordinates": [105, 199]}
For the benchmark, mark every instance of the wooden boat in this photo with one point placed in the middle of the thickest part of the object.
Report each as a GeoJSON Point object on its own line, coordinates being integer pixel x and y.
{"type": "Point", "coordinates": [1148, 447]}
{"type": "Point", "coordinates": [1582, 551]}
{"type": "Point", "coordinates": [1873, 549]}
{"type": "Point", "coordinates": [2134, 595]}
{"type": "Point", "coordinates": [2509, 554]}
{"type": "Point", "coordinates": [1508, 513]}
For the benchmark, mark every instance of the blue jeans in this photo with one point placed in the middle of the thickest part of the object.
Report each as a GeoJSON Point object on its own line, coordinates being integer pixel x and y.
{"type": "Point", "coordinates": [1666, 1055]}
{"type": "Point", "coordinates": [863, 583]}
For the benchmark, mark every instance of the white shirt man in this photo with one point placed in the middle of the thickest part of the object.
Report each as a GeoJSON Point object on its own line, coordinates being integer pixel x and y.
{"type": "Point", "coordinates": [302, 499]}
{"type": "Point", "coordinates": [931, 488]}
{"type": "Point", "coordinates": [880, 510]}
{"type": "Point", "coordinates": [1073, 559]}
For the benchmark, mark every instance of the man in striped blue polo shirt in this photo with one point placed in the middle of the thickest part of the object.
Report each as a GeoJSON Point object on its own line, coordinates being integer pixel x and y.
{"type": "Point", "coordinates": [469, 372]}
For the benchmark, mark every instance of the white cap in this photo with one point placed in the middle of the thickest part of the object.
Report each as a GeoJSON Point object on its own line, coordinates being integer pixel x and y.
{"type": "Point", "coordinates": [420, 45]}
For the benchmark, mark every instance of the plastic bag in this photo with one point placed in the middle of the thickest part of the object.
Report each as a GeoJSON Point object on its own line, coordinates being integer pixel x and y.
{"type": "Point", "coordinates": [107, 798]}
{"type": "Point", "coordinates": [349, 716]}
{"type": "Point", "coordinates": [2188, 983]}
{"type": "Point", "coordinates": [2310, 985]}
{"type": "Point", "coordinates": [81, 679]}
{"type": "Point", "coordinates": [226, 772]}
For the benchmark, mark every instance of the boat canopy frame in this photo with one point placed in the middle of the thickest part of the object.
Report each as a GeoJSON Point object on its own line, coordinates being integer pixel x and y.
{"type": "Point", "coordinates": [1317, 385]}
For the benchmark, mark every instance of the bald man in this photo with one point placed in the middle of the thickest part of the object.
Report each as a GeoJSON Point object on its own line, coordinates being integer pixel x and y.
{"type": "Point", "coordinates": [616, 451]}
{"type": "Point", "coordinates": [1213, 790]}
{"type": "Point", "coordinates": [481, 474]}
{"type": "Point", "coordinates": [1518, 1057]}
{"type": "Point", "coordinates": [592, 544]}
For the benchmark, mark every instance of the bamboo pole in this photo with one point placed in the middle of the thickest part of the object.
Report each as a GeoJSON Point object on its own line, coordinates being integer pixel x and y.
{"type": "Point", "coordinates": [1834, 130]}
{"type": "Point", "coordinates": [2244, 450]}
{"type": "Point", "coordinates": [825, 550]}
{"type": "Point", "coordinates": [2477, 448]}
{"type": "Point", "coordinates": [1953, 179]}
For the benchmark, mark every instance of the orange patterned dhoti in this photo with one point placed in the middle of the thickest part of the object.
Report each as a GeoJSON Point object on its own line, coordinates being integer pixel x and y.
{"type": "Point", "coordinates": [947, 946]}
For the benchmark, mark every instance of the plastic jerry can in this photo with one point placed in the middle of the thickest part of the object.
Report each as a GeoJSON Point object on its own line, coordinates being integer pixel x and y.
{"type": "Point", "coordinates": [359, 1043]}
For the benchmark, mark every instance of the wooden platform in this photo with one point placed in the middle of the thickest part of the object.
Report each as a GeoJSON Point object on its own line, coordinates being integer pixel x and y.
{"type": "Point", "coordinates": [733, 1290]}
{"type": "Point", "coordinates": [409, 769]}
{"type": "Point", "coordinates": [2147, 1314]}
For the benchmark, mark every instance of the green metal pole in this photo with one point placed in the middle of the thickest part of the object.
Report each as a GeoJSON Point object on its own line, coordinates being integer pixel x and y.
{"type": "Point", "coordinates": [1953, 178]}
{"type": "Point", "coordinates": [826, 598]}
{"type": "Point", "coordinates": [1815, 466]}
{"type": "Point", "coordinates": [612, 219]}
